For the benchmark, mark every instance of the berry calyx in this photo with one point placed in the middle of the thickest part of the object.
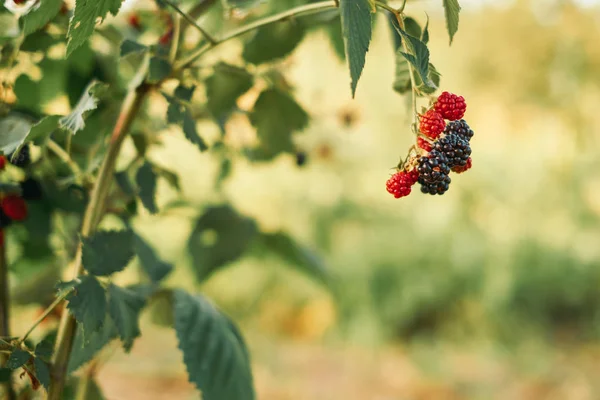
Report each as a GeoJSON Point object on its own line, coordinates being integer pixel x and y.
{"type": "Point", "coordinates": [431, 124]}
{"type": "Point", "coordinates": [14, 207]}
{"type": "Point", "coordinates": [459, 169]}
{"type": "Point", "coordinates": [400, 184]}
{"type": "Point", "coordinates": [424, 144]}
{"type": "Point", "coordinates": [459, 128]}
{"type": "Point", "coordinates": [450, 106]}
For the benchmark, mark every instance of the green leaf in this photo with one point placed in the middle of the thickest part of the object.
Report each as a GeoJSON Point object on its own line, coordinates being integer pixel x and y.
{"type": "Point", "coordinates": [159, 69]}
{"type": "Point", "coordinates": [42, 372]}
{"type": "Point", "coordinates": [276, 115]}
{"type": "Point", "coordinates": [124, 306]}
{"type": "Point", "coordinates": [178, 113]}
{"type": "Point", "coordinates": [75, 121]}
{"type": "Point", "coordinates": [419, 57]}
{"type": "Point", "coordinates": [184, 93]}
{"type": "Point", "coordinates": [123, 180]}
{"type": "Point", "coordinates": [273, 41]}
{"type": "Point", "coordinates": [84, 20]}
{"type": "Point", "coordinates": [5, 375]}
{"type": "Point", "coordinates": [86, 346]}
{"type": "Point", "coordinates": [88, 304]}
{"type": "Point", "coordinates": [41, 131]}
{"type": "Point", "coordinates": [412, 27]}
{"type": "Point", "coordinates": [107, 252]}
{"type": "Point", "coordinates": [292, 252]}
{"type": "Point", "coordinates": [156, 269]}
{"type": "Point", "coordinates": [220, 236]}
{"type": "Point", "coordinates": [146, 181]}
{"type": "Point", "coordinates": [425, 35]}
{"type": "Point", "coordinates": [334, 31]}
{"type": "Point", "coordinates": [434, 75]}
{"type": "Point", "coordinates": [402, 82]}
{"type": "Point", "coordinates": [44, 350]}
{"type": "Point", "coordinates": [15, 129]}
{"type": "Point", "coordinates": [356, 29]}
{"type": "Point", "coordinates": [37, 18]}
{"type": "Point", "coordinates": [224, 86]}
{"type": "Point", "coordinates": [129, 47]}
{"type": "Point", "coordinates": [17, 359]}
{"type": "Point", "coordinates": [215, 357]}
{"type": "Point", "coordinates": [452, 11]}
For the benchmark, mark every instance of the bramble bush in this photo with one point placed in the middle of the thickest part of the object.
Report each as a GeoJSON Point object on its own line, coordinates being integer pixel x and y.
{"type": "Point", "coordinates": [60, 178]}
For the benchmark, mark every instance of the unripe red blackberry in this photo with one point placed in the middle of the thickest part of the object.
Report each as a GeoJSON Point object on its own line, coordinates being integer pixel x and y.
{"type": "Point", "coordinates": [431, 124]}
{"type": "Point", "coordinates": [399, 184]}
{"type": "Point", "coordinates": [450, 106]}
{"type": "Point", "coordinates": [434, 188]}
{"type": "Point", "coordinates": [134, 21]}
{"type": "Point", "coordinates": [424, 144]}
{"type": "Point", "coordinates": [14, 207]}
{"type": "Point", "coordinates": [459, 169]}
{"type": "Point", "coordinates": [434, 167]}
{"type": "Point", "coordinates": [456, 149]}
{"type": "Point", "coordinates": [460, 128]}
{"type": "Point", "coordinates": [2, 162]}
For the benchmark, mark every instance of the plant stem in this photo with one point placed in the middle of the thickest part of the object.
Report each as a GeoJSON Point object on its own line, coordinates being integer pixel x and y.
{"type": "Point", "coordinates": [176, 38]}
{"type": "Point", "coordinates": [93, 213]}
{"type": "Point", "coordinates": [46, 312]}
{"type": "Point", "coordinates": [304, 9]}
{"type": "Point", "coordinates": [192, 22]}
{"type": "Point", "coordinates": [7, 388]}
{"type": "Point", "coordinates": [64, 156]}
{"type": "Point", "coordinates": [411, 73]}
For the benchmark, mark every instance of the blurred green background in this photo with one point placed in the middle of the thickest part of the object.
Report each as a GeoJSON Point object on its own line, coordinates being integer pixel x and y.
{"type": "Point", "coordinates": [491, 291]}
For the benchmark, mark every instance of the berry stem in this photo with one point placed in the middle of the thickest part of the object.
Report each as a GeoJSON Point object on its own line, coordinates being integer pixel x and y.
{"type": "Point", "coordinates": [64, 156]}
{"type": "Point", "coordinates": [411, 72]}
{"type": "Point", "coordinates": [5, 388]}
{"type": "Point", "coordinates": [93, 213]}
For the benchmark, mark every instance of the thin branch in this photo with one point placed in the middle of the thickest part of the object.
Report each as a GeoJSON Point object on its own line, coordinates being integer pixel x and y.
{"type": "Point", "coordinates": [304, 9]}
{"type": "Point", "coordinates": [401, 9]}
{"type": "Point", "coordinates": [176, 37]}
{"type": "Point", "coordinates": [7, 387]}
{"type": "Point", "coordinates": [192, 22]}
{"type": "Point", "coordinates": [413, 85]}
{"type": "Point", "coordinates": [387, 7]}
{"type": "Point", "coordinates": [64, 155]}
{"type": "Point", "coordinates": [46, 312]}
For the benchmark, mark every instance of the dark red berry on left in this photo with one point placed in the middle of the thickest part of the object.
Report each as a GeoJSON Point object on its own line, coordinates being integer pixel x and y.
{"type": "Point", "coordinates": [166, 38]}
{"type": "Point", "coordinates": [400, 184]}
{"type": "Point", "coordinates": [2, 162]}
{"type": "Point", "coordinates": [134, 21]}
{"type": "Point", "coordinates": [14, 207]}
{"type": "Point", "coordinates": [431, 124]}
{"type": "Point", "coordinates": [450, 106]}
{"type": "Point", "coordinates": [423, 144]}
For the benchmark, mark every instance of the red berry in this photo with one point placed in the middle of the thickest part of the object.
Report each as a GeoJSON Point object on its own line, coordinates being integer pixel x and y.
{"type": "Point", "coordinates": [450, 106]}
{"type": "Point", "coordinates": [432, 124]}
{"type": "Point", "coordinates": [399, 184]}
{"type": "Point", "coordinates": [19, 2]}
{"type": "Point", "coordinates": [134, 21]}
{"type": "Point", "coordinates": [14, 207]}
{"type": "Point", "coordinates": [424, 144]}
{"type": "Point", "coordinates": [1, 238]}
{"type": "Point", "coordinates": [459, 169]}
{"type": "Point", "coordinates": [64, 8]}
{"type": "Point", "coordinates": [2, 162]}
{"type": "Point", "coordinates": [166, 38]}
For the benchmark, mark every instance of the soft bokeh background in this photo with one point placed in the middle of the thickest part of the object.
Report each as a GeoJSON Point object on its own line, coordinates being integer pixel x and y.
{"type": "Point", "coordinates": [491, 291]}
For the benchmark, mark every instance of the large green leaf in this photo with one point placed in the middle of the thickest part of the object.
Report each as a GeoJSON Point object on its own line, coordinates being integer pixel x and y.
{"type": "Point", "coordinates": [15, 129]}
{"type": "Point", "coordinates": [276, 115]}
{"type": "Point", "coordinates": [296, 255]}
{"type": "Point", "coordinates": [159, 69]}
{"type": "Point", "coordinates": [220, 236]}
{"type": "Point", "coordinates": [179, 113]}
{"type": "Point", "coordinates": [85, 347]}
{"type": "Point", "coordinates": [124, 306]}
{"type": "Point", "coordinates": [17, 359]}
{"type": "Point", "coordinates": [42, 372]}
{"type": "Point", "coordinates": [273, 41]}
{"type": "Point", "coordinates": [87, 303]}
{"type": "Point", "coordinates": [75, 121]}
{"type": "Point", "coordinates": [224, 86]}
{"type": "Point", "coordinates": [146, 182]}
{"type": "Point", "coordinates": [40, 16]}
{"type": "Point", "coordinates": [130, 47]}
{"type": "Point", "coordinates": [357, 29]}
{"type": "Point", "coordinates": [85, 17]}
{"type": "Point", "coordinates": [213, 352]}
{"type": "Point", "coordinates": [107, 252]}
{"type": "Point", "coordinates": [156, 268]}
{"type": "Point", "coordinates": [402, 82]}
{"type": "Point", "coordinates": [452, 11]}
{"type": "Point", "coordinates": [43, 129]}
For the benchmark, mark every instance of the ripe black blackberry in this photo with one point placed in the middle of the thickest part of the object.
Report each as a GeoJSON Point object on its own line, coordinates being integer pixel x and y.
{"type": "Point", "coordinates": [434, 167]}
{"type": "Point", "coordinates": [456, 149]}
{"type": "Point", "coordinates": [460, 128]}
{"type": "Point", "coordinates": [434, 188]}
{"type": "Point", "coordinates": [31, 189]}
{"type": "Point", "coordinates": [22, 159]}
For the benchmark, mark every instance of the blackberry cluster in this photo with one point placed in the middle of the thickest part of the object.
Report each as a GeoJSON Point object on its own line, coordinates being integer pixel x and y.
{"type": "Point", "coordinates": [456, 149]}
{"type": "Point", "coordinates": [434, 173]}
{"type": "Point", "coordinates": [459, 128]}
{"type": "Point", "coordinates": [22, 159]}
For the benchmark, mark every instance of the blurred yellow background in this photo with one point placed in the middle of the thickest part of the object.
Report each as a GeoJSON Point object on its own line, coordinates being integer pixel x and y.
{"type": "Point", "coordinates": [491, 291]}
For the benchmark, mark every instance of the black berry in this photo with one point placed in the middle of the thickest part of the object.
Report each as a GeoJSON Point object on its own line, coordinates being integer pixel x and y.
{"type": "Point", "coordinates": [31, 189]}
{"type": "Point", "coordinates": [301, 158]}
{"type": "Point", "coordinates": [434, 188]}
{"type": "Point", "coordinates": [22, 159]}
{"type": "Point", "coordinates": [460, 128]}
{"type": "Point", "coordinates": [5, 220]}
{"type": "Point", "coordinates": [434, 167]}
{"type": "Point", "coordinates": [456, 149]}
